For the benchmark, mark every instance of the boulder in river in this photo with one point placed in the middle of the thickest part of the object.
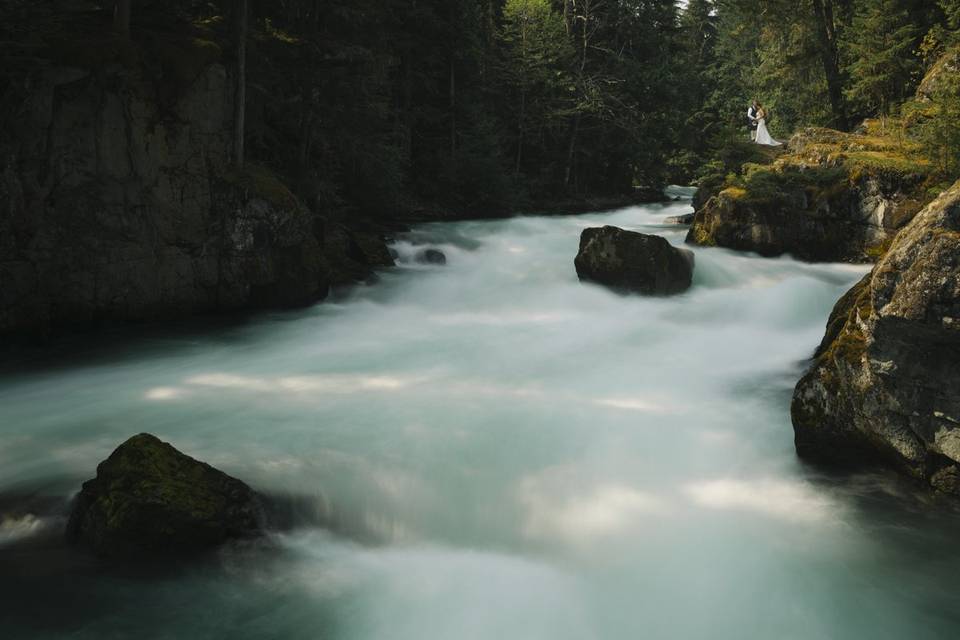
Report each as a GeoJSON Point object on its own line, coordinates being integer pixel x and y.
{"type": "Point", "coordinates": [150, 498]}
{"type": "Point", "coordinates": [884, 385]}
{"type": "Point", "coordinates": [686, 218]}
{"type": "Point", "coordinates": [431, 256]}
{"type": "Point", "coordinates": [631, 261]}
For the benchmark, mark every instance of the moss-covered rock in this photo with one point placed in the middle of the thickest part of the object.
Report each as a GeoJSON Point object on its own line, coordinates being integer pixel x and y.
{"type": "Point", "coordinates": [883, 386]}
{"type": "Point", "coordinates": [729, 160]}
{"type": "Point", "coordinates": [939, 75]}
{"type": "Point", "coordinates": [633, 262]}
{"type": "Point", "coordinates": [832, 197]}
{"type": "Point", "coordinates": [150, 498]}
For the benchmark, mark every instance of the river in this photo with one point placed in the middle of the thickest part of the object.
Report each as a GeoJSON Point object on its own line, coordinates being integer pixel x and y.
{"type": "Point", "coordinates": [485, 450]}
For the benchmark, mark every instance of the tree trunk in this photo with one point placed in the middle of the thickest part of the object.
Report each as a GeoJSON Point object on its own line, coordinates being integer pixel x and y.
{"type": "Point", "coordinates": [829, 57]}
{"type": "Point", "coordinates": [240, 99]}
{"type": "Point", "coordinates": [453, 108]}
{"type": "Point", "coordinates": [121, 18]}
{"type": "Point", "coordinates": [521, 127]}
{"type": "Point", "coordinates": [571, 152]}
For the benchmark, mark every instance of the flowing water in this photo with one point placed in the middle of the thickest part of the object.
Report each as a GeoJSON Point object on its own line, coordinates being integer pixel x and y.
{"type": "Point", "coordinates": [487, 449]}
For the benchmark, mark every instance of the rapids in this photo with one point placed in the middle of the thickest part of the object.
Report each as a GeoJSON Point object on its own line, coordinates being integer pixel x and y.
{"type": "Point", "coordinates": [485, 450]}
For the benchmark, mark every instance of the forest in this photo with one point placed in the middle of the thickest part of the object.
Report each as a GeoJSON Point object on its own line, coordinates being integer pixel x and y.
{"type": "Point", "coordinates": [484, 106]}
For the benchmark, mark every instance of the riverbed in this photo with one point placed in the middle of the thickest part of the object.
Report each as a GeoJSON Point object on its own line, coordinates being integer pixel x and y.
{"type": "Point", "coordinates": [486, 449]}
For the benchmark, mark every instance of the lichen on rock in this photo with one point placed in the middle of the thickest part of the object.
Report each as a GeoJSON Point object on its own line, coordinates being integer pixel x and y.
{"type": "Point", "coordinates": [149, 498]}
{"type": "Point", "coordinates": [883, 386]}
{"type": "Point", "coordinates": [832, 196]}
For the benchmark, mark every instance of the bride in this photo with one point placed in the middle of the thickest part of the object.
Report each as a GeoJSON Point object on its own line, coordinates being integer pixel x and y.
{"type": "Point", "coordinates": [763, 136]}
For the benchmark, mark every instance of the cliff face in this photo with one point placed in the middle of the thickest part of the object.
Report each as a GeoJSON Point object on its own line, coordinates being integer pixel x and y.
{"type": "Point", "coordinates": [118, 201]}
{"type": "Point", "coordinates": [831, 197]}
{"type": "Point", "coordinates": [885, 380]}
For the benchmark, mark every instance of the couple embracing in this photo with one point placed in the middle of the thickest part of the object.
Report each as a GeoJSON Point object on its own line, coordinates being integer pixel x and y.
{"type": "Point", "coordinates": [757, 116]}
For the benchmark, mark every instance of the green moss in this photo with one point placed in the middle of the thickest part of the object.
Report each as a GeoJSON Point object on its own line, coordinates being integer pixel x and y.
{"type": "Point", "coordinates": [149, 496]}
{"type": "Point", "coordinates": [879, 249]}
{"type": "Point", "coordinates": [887, 163]}
{"type": "Point", "coordinates": [734, 193]}
{"type": "Point", "coordinates": [850, 343]}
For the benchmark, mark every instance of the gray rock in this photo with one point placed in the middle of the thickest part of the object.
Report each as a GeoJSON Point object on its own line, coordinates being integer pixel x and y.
{"type": "Point", "coordinates": [684, 219]}
{"type": "Point", "coordinates": [119, 202]}
{"type": "Point", "coordinates": [635, 262]}
{"type": "Point", "coordinates": [938, 76]}
{"type": "Point", "coordinates": [431, 256]}
{"type": "Point", "coordinates": [813, 204]}
{"type": "Point", "coordinates": [148, 498]}
{"type": "Point", "coordinates": [883, 387]}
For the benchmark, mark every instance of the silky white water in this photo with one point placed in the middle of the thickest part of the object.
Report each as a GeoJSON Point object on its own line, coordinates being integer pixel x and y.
{"type": "Point", "coordinates": [489, 450]}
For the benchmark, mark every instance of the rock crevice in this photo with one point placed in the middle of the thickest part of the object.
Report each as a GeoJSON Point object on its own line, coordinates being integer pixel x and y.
{"type": "Point", "coordinates": [884, 383]}
{"type": "Point", "coordinates": [116, 204]}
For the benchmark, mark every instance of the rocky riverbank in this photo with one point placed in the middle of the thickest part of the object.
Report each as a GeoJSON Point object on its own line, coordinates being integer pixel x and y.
{"type": "Point", "coordinates": [120, 201]}
{"type": "Point", "coordinates": [883, 386]}
{"type": "Point", "coordinates": [830, 196]}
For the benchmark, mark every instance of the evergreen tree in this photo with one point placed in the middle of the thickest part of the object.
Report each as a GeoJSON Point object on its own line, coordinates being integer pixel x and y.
{"type": "Point", "coordinates": [537, 55]}
{"type": "Point", "coordinates": [882, 61]}
{"type": "Point", "coordinates": [951, 9]}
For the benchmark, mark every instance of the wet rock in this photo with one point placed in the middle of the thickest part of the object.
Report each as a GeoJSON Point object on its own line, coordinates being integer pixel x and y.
{"type": "Point", "coordinates": [636, 262]}
{"type": "Point", "coordinates": [149, 498]}
{"type": "Point", "coordinates": [120, 203]}
{"type": "Point", "coordinates": [835, 197]}
{"type": "Point", "coordinates": [883, 387]}
{"type": "Point", "coordinates": [431, 256]}
{"type": "Point", "coordinates": [686, 218]}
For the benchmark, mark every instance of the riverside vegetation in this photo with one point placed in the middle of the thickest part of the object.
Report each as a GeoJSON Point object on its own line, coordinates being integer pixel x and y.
{"type": "Point", "coordinates": [882, 386]}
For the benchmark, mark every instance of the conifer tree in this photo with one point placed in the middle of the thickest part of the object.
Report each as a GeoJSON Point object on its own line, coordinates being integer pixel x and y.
{"type": "Point", "coordinates": [881, 48]}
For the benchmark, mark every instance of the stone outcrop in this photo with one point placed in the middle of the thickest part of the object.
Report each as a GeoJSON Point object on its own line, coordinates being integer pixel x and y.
{"type": "Point", "coordinates": [685, 219]}
{"type": "Point", "coordinates": [833, 197]}
{"type": "Point", "coordinates": [633, 262]}
{"type": "Point", "coordinates": [940, 75]}
{"type": "Point", "coordinates": [884, 383]}
{"type": "Point", "coordinates": [148, 498]}
{"type": "Point", "coordinates": [118, 201]}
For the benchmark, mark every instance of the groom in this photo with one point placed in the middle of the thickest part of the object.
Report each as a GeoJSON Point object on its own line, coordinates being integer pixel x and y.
{"type": "Point", "coordinates": [752, 118]}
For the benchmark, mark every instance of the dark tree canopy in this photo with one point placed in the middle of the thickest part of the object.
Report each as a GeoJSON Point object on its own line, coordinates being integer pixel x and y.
{"type": "Point", "coordinates": [374, 106]}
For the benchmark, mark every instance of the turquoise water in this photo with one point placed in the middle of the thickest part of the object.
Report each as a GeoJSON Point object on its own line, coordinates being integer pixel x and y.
{"type": "Point", "coordinates": [485, 450]}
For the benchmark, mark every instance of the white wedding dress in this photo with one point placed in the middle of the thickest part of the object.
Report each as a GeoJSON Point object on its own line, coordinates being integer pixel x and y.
{"type": "Point", "coordinates": [763, 136]}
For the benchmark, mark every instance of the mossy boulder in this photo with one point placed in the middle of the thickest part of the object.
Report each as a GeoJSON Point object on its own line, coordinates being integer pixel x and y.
{"type": "Point", "coordinates": [832, 197]}
{"type": "Point", "coordinates": [633, 262]}
{"type": "Point", "coordinates": [939, 75]}
{"type": "Point", "coordinates": [729, 160]}
{"type": "Point", "coordinates": [883, 386]}
{"type": "Point", "coordinates": [149, 498]}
